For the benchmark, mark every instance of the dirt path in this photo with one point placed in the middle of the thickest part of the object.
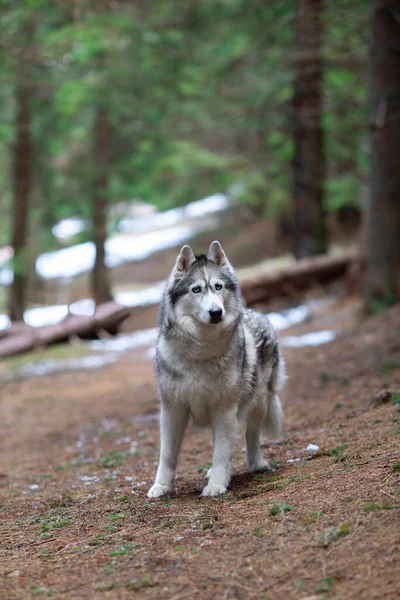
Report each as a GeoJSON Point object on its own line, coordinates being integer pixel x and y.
{"type": "Point", "coordinates": [79, 451]}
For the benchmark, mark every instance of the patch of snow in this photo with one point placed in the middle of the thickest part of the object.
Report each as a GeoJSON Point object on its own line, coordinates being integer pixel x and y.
{"type": "Point", "coordinates": [151, 353]}
{"type": "Point", "coordinates": [34, 486]}
{"type": "Point", "coordinates": [45, 315]}
{"type": "Point", "coordinates": [193, 210]}
{"type": "Point", "coordinates": [51, 315]}
{"type": "Point", "coordinates": [315, 338]}
{"type": "Point", "coordinates": [145, 337]}
{"type": "Point", "coordinates": [6, 276]}
{"type": "Point", "coordinates": [67, 262]}
{"type": "Point", "coordinates": [67, 228]}
{"type": "Point", "coordinates": [146, 297]}
{"type": "Point", "coordinates": [77, 259]}
{"type": "Point", "coordinates": [155, 221]}
{"type": "Point", "coordinates": [312, 447]}
{"type": "Point", "coordinates": [123, 440]}
{"type": "Point", "coordinates": [4, 322]}
{"type": "Point", "coordinates": [206, 206]}
{"type": "Point", "coordinates": [84, 307]}
{"type": "Point", "coordinates": [56, 366]}
{"type": "Point", "coordinates": [89, 479]}
{"type": "Point", "coordinates": [290, 317]}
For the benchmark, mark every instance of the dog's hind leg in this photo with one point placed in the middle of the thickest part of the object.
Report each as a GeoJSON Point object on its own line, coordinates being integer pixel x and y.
{"type": "Point", "coordinates": [254, 427]}
{"type": "Point", "coordinates": [173, 421]}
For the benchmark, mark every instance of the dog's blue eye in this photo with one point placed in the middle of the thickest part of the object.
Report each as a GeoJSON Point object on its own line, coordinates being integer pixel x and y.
{"type": "Point", "coordinates": [196, 289]}
{"type": "Point", "coordinates": [218, 286]}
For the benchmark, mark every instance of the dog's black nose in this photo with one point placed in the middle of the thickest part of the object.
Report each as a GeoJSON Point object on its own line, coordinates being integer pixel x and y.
{"type": "Point", "coordinates": [215, 314]}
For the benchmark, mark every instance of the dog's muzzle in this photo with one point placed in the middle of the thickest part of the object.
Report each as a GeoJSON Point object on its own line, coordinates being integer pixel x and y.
{"type": "Point", "coordinates": [215, 315]}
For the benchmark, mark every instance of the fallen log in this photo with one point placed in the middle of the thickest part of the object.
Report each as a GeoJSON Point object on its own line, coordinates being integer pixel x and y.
{"type": "Point", "coordinates": [15, 329]}
{"type": "Point", "coordinates": [21, 337]}
{"type": "Point", "coordinates": [258, 287]}
{"type": "Point", "coordinates": [300, 275]}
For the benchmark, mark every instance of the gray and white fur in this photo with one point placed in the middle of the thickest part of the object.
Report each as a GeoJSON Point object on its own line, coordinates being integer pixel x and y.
{"type": "Point", "coordinates": [217, 363]}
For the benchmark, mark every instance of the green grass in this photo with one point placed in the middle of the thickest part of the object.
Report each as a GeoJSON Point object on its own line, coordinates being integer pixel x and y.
{"type": "Point", "coordinates": [258, 532]}
{"type": "Point", "coordinates": [338, 450]}
{"type": "Point", "coordinates": [338, 405]}
{"type": "Point", "coordinates": [108, 569]}
{"type": "Point", "coordinates": [38, 590]}
{"type": "Point", "coordinates": [332, 534]}
{"type": "Point", "coordinates": [123, 550]}
{"type": "Point", "coordinates": [275, 477]}
{"type": "Point", "coordinates": [113, 459]}
{"type": "Point", "coordinates": [298, 478]}
{"type": "Point", "coordinates": [280, 508]}
{"type": "Point", "coordinates": [117, 518]}
{"type": "Point", "coordinates": [325, 378]}
{"type": "Point", "coordinates": [67, 465]}
{"type": "Point", "coordinates": [372, 506]}
{"type": "Point", "coordinates": [326, 584]}
{"type": "Point", "coordinates": [60, 523]}
{"type": "Point", "coordinates": [349, 466]}
{"type": "Point", "coordinates": [396, 468]}
{"type": "Point", "coordinates": [312, 517]}
{"type": "Point", "coordinates": [299, 585]}
{"type": "Point", "coordinates": [388, 367]}
{"type": "Point", "coordinates": [203, 469]}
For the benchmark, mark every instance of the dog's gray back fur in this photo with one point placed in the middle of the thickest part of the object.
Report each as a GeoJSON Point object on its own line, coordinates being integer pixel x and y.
{"type": "Point", "coordinates": [226, 370]}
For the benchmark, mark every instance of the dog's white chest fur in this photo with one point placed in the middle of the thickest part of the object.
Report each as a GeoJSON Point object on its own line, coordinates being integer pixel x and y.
{"type": "Point", "coordinates": [203, 387]}
{"type": "Point", "coordinates": [205, 390]}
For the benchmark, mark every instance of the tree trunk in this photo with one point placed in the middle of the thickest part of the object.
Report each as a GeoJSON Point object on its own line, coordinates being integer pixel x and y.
{"type": "Point", "coordinates": [22, 182]}
{"type": "Point", "coordinates": [308, 164]}
{"type": "Point", "coordinates": [100, 284]}
{"type": "Point", "coordinates": [382, 286]}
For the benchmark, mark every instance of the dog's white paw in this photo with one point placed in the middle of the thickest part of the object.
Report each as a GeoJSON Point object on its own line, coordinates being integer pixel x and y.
{"type": "Point", "coordinates": [208, 473]}
{"type": "Point", "coordinates": [158, 490]}
{"type": "Point", "coordinates": [259, 465]}
{"type": "Point", "coordinates": [213, 489]}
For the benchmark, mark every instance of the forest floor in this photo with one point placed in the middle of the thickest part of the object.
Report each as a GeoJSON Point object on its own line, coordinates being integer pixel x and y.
{"type": "Point", "coordinates": [79, 451]}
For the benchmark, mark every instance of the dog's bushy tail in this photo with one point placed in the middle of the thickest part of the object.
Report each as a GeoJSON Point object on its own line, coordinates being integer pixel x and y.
{"type": "Point", "coordinates": [274, 418]}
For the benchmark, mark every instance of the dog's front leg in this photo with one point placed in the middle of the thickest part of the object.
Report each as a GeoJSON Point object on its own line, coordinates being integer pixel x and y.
{"type": "Point", "coordinates": [173, 421]}
{"type": "Point", "coordinates": [224, 434]}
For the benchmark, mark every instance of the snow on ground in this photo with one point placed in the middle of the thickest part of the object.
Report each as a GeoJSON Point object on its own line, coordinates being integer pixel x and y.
{"type": "Point", "coordinates": [316, 338]}
{"type": "Point", "coordinates": [72, 261]}
{"type": "Point", "coordinates": [157, 231]}
{"type": "Point", "coordinates": [193, 210]}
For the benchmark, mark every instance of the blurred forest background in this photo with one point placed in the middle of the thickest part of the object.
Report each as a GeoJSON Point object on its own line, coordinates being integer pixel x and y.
{"type": "Point", "coordinates": [112, 106]}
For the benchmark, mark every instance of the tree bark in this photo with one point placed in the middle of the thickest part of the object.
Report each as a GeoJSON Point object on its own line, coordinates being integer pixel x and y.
{"type": "Point", "coordinates": [308, 163]}
{"type": "Point", "coordinates": [100, 283]}
{"type": "Point", "coordinates": [22, 184]}
{"type": "Point", "coordinates": [382, 285]}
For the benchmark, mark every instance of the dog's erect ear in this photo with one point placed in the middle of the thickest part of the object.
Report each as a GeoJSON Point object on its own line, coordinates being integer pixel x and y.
{"type": "Point", "coordinates": [184, 261]}
{"type": "Point", "coordinates": [217, 255]}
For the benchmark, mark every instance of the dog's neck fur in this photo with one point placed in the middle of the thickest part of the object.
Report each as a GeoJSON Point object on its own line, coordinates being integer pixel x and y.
{"type": "Point", "coordinates": [201, 342]}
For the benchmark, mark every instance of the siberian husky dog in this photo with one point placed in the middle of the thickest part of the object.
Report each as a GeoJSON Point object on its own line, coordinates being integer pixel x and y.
{"type": "Point", "coordinates": [217, 363]}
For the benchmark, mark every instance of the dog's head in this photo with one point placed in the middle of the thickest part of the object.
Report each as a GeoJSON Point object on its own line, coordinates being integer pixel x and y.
{"type": "Point", "coordinates": [204, 289]}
